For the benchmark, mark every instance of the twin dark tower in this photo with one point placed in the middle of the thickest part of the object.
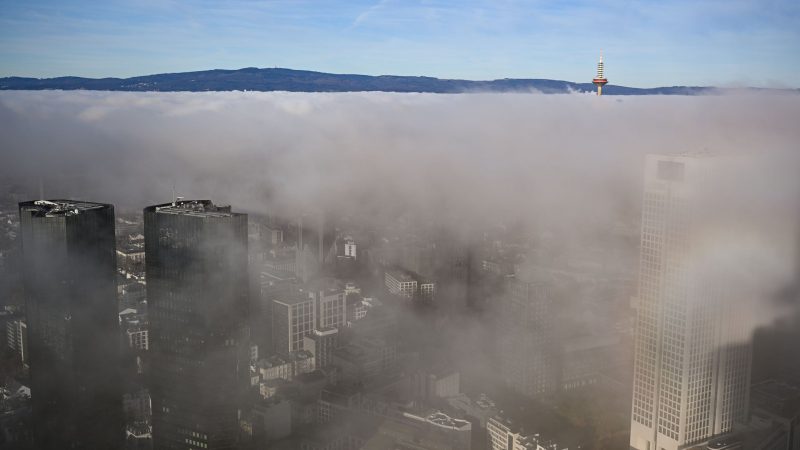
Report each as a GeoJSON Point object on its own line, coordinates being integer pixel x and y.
{"type": "Point", "coordinates": [196, 271]}
{"type": "Point", "coordinates": [69, 276]}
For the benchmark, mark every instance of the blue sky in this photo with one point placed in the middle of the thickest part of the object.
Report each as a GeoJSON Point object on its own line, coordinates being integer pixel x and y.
{"type": "Point", "coordinates": [646, 43]}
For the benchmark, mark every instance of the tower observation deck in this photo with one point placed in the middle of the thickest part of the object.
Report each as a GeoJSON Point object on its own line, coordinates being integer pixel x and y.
{"type": "Point", "coordinates": [600, 80]}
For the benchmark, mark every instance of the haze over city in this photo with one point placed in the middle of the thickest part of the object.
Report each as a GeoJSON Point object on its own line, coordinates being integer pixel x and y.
{"type": "Point", "coordinates": [599, 249]}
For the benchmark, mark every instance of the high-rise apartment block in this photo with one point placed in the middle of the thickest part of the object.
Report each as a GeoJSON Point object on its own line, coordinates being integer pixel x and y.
{"type": "Point", "coordinates": [69, 275]}
{"type": "Point", "coordinates": [692, 354]}
{"type": "Point", "coordinates": [197, 286]}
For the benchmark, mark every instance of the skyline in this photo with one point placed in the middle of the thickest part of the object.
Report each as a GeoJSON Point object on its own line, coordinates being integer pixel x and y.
{"type": "Point", "coordinates": [721, 44]}
{"type": "Point", "coordinates": [462, 272]}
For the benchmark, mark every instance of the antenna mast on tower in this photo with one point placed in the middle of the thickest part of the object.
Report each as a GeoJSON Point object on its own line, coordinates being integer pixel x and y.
{"type": "Point", "coordinates": [600, 80]}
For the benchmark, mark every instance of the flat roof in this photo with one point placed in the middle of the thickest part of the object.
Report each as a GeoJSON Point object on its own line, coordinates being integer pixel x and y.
{"type": "Point", "coordinates": [327, 331]}
{"type": "Point", "coordinates": [293, 299]}
{"type": "Point", "coordinates": [60, 207]}
{"type": "Point", "coordinates": [327, 284]}
{"type": "Point", "coordinates": [194, 208]}
{"type": "Point", "coordinates": [401, 275]}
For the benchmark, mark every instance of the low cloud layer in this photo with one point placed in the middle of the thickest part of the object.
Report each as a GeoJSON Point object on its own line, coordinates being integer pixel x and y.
{"type": "Point", "coordinates": [572, 163]}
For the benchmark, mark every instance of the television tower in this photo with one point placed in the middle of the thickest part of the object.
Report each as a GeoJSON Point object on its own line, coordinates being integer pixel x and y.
{"type": "Point", "coordinates": [600, 80]}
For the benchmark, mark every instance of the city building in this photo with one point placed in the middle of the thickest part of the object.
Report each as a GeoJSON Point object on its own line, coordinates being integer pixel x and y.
{"type": "Point", "coordinates": [503, 434]}
{"type": "Point", "coordinates": [130, 255]}
{"type": "Point", "coordinates": [405, 283]}
{"type": "Point", "coordinates": [357, 307]}
{"type": "Point", "coordinates": [285, 367]}
{"type": "Point", "coordinates": [365, 358]}
{"type": "Point", "coordinates": [400, 283]}
{"type": "Point", "coordinates": [138, 338]}
{"type": "Point", "coordinates": [272, 420]}
{"type": "Point", "coordinates": [137, 406]}
{"type": "Point", "coordinates": [329, 301]}
{"type": "Point", "coordinates": [283, 261]}
{"type": "Point", "coordinates": [583, 359]}
{"type": "Point", "coordinates": [274, 285]}
{"type": "Point", "coordinates": [69, 275]}
{"type": "Point", "coordinates": [435, 430]}
{"type": "Point", "coordinates": [692, 352]}
{"type": "Point", "coordinates": [525, 346]}
{"type": "Point", "coordinates": [198, 291]}
{"type": "Point", "coordinates": [272, 234]}
{"type": "Point", "coordinates": [427, 289]}
{"type": "Point", "coordinates": [17, 338]}
{"type": "Point", "coordinates": [322, 343]}
{"type": "Point", "coordinates": [134, 326]}
{"type": "Point", "coordinates": [432, 384]}
{"type": "Point", "coordinates": [293, 318]}
{"type": "Point", "coordinates": [315, 245]}
{"type": "Point", "coordinates": [350, 248]}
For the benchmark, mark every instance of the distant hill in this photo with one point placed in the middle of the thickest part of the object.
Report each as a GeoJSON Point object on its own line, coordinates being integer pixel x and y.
{"type": "Point", "coordinates": [276, 79]}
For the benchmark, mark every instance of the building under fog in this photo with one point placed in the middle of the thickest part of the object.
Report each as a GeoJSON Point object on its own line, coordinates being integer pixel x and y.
{"type": "Point", "coordinates": [293, 318]}
{"type": "Point", "coordinates": [196, 262]}
{"type": "Point", "coordinates": [404, 283]}
{"type": "Point", "coordinates": [69, 274]}
{"type": "Point", "coordinates": [526, 347]}
{"type": "Point", "coordinates": [322, 343]}
{"type": "Point", "coordinates": [329, 302]}
{"type": "Point", "coordinates": [692, 354]}
{"type": "Point", "coordinates": [315, 245]}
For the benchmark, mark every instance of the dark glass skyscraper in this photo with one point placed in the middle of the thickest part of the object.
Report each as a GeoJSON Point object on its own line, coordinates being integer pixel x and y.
{"type": "Point", "coordinates": [69, 271]}
{"type": "Point", "coordinates": [196, 262]}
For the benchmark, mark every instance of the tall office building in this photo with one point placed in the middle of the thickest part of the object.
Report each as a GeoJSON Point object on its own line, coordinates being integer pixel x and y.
{"type": "Point", "coordinates": [316, 237]}
{"type": "Point", "coordinates": [196, 262]}
{"type": "Point", "coordinates": [69, 273]}
{"type": "Point", "coordinates": [526, 341]}
{"type": "Point", "coordinates": [692, 354]}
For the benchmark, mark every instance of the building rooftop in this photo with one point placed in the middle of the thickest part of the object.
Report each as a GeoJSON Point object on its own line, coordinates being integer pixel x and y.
{"type": "Point", "coordinates": [130, 247]}
{"type": "Point", "coordinates": [401, 275]}
{"type": "Point", "coordinates": [194, 208]}
{"type": "Point", "coordinates": [54, 208]}
{"type": "Point", "coordinates": [325, 331]}
{"type": "Point", "coordinates": [443, 420]}
{"type": "Point", "coordinates": [325, 284]}
{"type": "Point", "coordinates": [293, 298]}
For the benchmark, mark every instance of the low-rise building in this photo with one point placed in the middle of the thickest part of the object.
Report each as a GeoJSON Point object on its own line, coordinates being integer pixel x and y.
{"type": "Point", "coordinates": [502, 434]}
{"type": "Point", "coordinates": [400, 283]}
{"type": "Point", "coordinates": [404, 283]}
{"type": "Point", "coordinates": [286, 367]}
{"type": "Point", "coordinates": [365, 358]}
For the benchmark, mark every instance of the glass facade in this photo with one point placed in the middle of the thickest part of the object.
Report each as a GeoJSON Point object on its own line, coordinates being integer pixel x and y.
{"type": "Point", "coordinates": [690, 381]}
{"type": "Point", "coordinates": [69, 271]}
{"type": "Point", "coordinates": [197, 286]}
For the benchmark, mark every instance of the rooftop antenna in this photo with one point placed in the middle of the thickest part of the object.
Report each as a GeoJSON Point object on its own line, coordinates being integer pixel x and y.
{"type": "Point", "coordinates": [173, 194]}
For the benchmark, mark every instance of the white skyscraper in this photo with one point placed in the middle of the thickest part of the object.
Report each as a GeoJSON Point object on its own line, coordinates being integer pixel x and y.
{"type": "Point", "coordinates": [692, 352]}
